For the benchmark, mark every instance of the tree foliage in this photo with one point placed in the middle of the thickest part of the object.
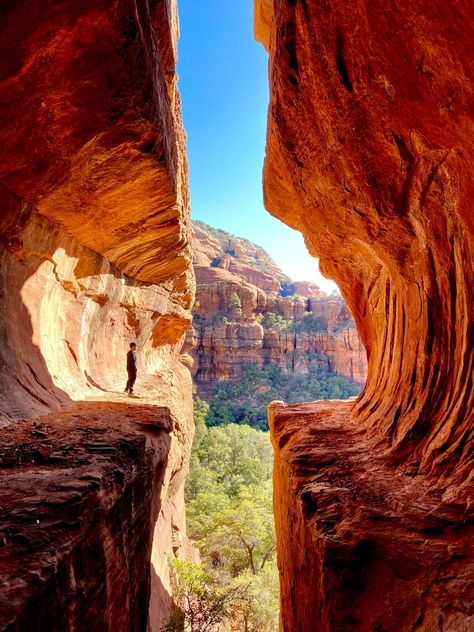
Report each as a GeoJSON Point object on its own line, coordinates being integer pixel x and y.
{"type": "Point", "coordinates": [235, 303]}
{"type": "Point", "coordinates": [230, 520]}
{"type": "Point", "coordinates": [271, 318]}
{"type": "Point", "coordinates": [246, 401]}
{"type": "Point", "coordinates": [201, 604]}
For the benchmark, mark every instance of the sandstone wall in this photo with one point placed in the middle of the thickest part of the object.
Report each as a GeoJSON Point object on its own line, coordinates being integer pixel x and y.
{"type": "Point", "coordinates": [69, 315]}
{"type": "Point", "coordinates": [221, 349]}
{"type": "Point", "coordinates": [94, 248]}
{"type": "Point", "coordinates": [80, 495]}
{"type": "Point", "coordinates": [380, 184]}
{"type": "Point", "coordinates": [222, 339]}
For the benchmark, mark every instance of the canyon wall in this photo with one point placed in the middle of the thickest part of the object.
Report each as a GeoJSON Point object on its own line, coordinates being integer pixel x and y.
{"type": "Point", "coordinates": [310, 329]}
{"type": "Point", "coordinates": [95, 254]}
{"type": "Point", "coordinates": [378, 492]}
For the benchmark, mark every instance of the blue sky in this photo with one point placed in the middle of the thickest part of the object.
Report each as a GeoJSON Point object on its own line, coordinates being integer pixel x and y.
{"type": "Point", "coordinates": [224, 92]}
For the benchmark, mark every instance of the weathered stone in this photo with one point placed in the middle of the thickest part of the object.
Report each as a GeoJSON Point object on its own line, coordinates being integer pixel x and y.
{"type": "Point", "coordinates": [94, 254]}
{"type": "Point", "coordinates": [91, 128]}
{"type": "Point", "coordinates": [364, 544]}
{"type": "Point", "coordinates": [79, 508]}
{"type": "Point", "coordinates": [222, 341]}
{"type": "Point", "coordinates": [380, 184]}
{"type": "Point", "coordinates": [243, 259]}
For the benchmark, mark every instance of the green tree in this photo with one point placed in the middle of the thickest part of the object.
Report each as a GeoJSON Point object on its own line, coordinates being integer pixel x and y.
{"type": "Point", "coordinates": [235, 303]}
{"type": "Point", "coordinates": [200, 412]}
{"type": "Point", "coordinates": [230, 520]}
{"type": "Point", "coordinates": [256, 608]}
{"type": "Point", "coordinates": [231, 456]}
{"type": "Point", "coordinates": [242, 537]}
{"type": "Point", "coordinates": [271, 318]}
{"type": "Point", "coordinates": [201, 604]}
{"type": "Point", "coordinates": [313, 324]}
{"type": "Point", "coordinates": [245, 401]}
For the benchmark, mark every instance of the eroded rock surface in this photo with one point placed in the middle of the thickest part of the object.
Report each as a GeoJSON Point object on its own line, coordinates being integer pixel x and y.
{"type": "Point", "coordinates": [380, 184]}
{"type": "Point", "coordinates": [91, 127]}
{"type": "Point", "coordinates": [81, 492]}
{"type": "Point", "coordinates": [69, 315]}
{"type": "Point", "coordinates": [363, 544]}
{"type": "Point", "coordinates": [95, 253]}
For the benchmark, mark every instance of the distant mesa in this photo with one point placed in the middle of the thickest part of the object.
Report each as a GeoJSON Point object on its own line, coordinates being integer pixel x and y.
{"type": "Point", "coordinates": [248, 311]}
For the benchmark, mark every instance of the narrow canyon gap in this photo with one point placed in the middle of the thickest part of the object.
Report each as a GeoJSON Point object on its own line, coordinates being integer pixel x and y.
{"type": "Point", "coordinates": [95, 254]}
{"type": "Point", "coordinates": [369, 155]}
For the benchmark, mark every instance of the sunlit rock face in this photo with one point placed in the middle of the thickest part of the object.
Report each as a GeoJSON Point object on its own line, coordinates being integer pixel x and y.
{"type": "Point", "coordinates": [369, 150]}
{"type": "Point", "coordinates": [69, 316]}
{"type": "Point", "coordinates": [91, 127]}
{"type": "Point", "coordinates": [222, 341]}
{"type": "Point", "coordinates": [95, 254]}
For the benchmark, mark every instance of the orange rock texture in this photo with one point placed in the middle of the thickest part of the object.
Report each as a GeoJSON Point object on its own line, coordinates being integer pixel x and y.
{"type": "Point", "coordinates": [95, 253]}
{"type": "Point", "coordinates": [222, 341]}
{"type": "Point", "coordinates": [369, 149]}
{"type": "Point", "coordinates": [84, 490]}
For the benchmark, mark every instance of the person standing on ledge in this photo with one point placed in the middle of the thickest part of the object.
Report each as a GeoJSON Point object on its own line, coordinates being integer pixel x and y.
{"type": "Point", "coordinates": [131, 368]}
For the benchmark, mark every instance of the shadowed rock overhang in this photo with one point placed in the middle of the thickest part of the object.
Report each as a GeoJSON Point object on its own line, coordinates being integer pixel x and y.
{"type": "Point", "coordinates": [94, 254]}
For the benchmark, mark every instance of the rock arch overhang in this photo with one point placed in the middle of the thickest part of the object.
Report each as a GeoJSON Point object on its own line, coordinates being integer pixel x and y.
{"type": "Point", "coordinates": [369, 149]}
{"type": "Point", "coordinates": [94, 253]}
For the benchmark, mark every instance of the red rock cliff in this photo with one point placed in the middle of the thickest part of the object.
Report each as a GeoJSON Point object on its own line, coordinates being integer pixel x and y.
{"type": "Point", "coordinates": [224, 339]}
{"type": "Point", "coordinates": [94, 253]}
{"type": "Point", "coordinates": [380, 185]}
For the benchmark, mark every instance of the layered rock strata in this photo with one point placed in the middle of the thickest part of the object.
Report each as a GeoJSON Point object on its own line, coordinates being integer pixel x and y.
{"type": "Point", "coordinates": [83, 491]}
{"type": "Point", "coordinates": [380, 185]}
{"type": "Point", "coordinates": [95, 253]}
{"type": "Point", "coordinates": [223, 339]}
{"type": "Point", "coordinates": [364, 545]}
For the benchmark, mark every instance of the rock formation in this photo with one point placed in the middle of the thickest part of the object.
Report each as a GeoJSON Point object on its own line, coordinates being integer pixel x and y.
{"type": "Point", "coordinates": [94, 253]}
{"type": "Point", "coordinates": [224, 339]}
{"type": "Point", "coordinates": [374, 499]}
{"type": "Point", "coordinates": [222, 251]}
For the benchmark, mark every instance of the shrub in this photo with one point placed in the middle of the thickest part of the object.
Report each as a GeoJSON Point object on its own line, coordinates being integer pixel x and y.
{"type": "Point", "coordinates": [202, 605]}
{"type": "Point", "coordinates": [270, 319]}
{"type": "Point", "coordinates": [312, 324]}
{"type": "Point", "coordinates": [235, 303]}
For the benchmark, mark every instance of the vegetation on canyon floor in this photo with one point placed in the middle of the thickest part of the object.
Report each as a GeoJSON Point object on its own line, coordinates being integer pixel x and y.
{"type": "Point", "coordinates": [229, 502]}
{"type": "Point", "coordinates": [230, 521]}
{"type": "Point", "coordinates": [245, 401]}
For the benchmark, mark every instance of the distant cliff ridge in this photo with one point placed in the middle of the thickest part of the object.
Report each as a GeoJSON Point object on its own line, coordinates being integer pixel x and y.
{"type": "Point", "coordinates": [225, 253]}
{"type": "Point", "coordinates": [248, 311]}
